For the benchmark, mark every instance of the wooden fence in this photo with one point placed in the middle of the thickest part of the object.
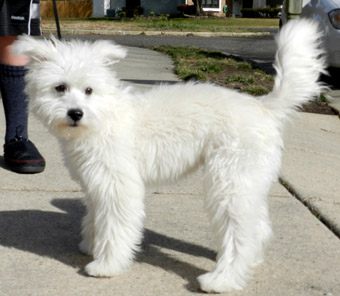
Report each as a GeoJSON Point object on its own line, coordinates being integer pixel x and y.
{"type": "Point", "coordinates": [82, 8]}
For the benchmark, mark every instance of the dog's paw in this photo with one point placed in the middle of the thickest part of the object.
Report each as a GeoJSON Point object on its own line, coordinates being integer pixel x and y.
{"type": "Point", "coordinates": [258, 261]}
{"type": "Point", "coordinates": [214, 282]}
{"type": "Point", "coordinates": [102, 269]}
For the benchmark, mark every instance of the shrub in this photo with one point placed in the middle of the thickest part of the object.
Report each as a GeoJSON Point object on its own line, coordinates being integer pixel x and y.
{"type": "Point", "coordinates": [122, 14]}
{"type": "Point", "coordinates": [260, 12]}
{"type": "Point", "coordinates": [131, 12]}
{"type": "Point", "coordinates": [186, 9]}
{"type": "Point", "coordinates": [138, 10]}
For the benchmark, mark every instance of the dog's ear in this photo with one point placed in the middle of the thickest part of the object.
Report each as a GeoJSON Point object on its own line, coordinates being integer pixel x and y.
{"type": "Point", "coordinates": [110, 53]}
{"type": "Point", "coordinates": [36, 49]}
{"type": "Point", "coordinates": [40, 50]}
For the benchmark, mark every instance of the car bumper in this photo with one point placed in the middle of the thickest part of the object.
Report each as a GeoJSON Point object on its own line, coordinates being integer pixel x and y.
{"type": "Point", "coordinates": [332, 46]}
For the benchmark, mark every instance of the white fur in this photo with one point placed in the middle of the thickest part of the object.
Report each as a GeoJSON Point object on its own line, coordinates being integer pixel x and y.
{"type": "Point", "coordinates": [128, 139]}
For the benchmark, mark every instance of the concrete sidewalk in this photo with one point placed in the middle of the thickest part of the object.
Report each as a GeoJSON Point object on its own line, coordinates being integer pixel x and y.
{"type": "Point", "coordinates": [40, 219]}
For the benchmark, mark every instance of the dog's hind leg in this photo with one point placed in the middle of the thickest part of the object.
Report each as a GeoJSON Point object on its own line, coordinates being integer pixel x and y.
{"type": "Point", "coordinates": [237, 187]}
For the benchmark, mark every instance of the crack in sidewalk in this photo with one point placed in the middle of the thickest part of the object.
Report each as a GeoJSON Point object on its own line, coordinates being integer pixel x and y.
{"type": "Point", "coordinates": [314, 210]}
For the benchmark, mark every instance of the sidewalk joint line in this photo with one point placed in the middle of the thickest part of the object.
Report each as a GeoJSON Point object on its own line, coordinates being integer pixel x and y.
{"type": "Point", "coordinates": [314, 211]}
{"type": "Point", "coordinates": [40, 190]}
{"type": "Point", "coordinates": [173, 193]}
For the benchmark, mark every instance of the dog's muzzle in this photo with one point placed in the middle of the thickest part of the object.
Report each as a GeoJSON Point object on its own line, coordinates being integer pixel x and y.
{"type": "Point", "coordinates": [76, 115]}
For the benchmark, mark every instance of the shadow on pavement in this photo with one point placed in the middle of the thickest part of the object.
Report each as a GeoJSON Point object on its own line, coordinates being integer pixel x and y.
{"type": "Point", "coordinates": [57, 235]}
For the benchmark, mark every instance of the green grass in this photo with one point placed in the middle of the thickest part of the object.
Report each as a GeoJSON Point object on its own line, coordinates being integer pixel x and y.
{"type": "Point", "coordinates": [241, 78]}
{"type": "Point", "coordinates": [168, 24]}
{"type": "Point", "coordinates": [192, 63]}
{"type": "Point", "coordinates": [207, 24]}
{"type": "Point", "coordinates": [256, 90]}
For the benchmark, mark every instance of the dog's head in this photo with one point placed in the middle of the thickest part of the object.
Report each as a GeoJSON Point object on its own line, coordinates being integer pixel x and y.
{"type": "Point", "coordinates": [70, 84]}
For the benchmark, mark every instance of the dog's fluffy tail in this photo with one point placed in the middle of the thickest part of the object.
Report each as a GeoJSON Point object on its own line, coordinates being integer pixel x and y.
{"type": "Point", "coordinates": [299, 62]}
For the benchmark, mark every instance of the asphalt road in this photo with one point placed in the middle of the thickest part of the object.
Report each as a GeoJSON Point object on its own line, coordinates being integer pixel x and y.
{"type": "Point", "coordinates": [259, 49]}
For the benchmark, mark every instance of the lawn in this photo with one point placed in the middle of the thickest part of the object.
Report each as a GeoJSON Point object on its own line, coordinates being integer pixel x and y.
{"type": "Point", "coordinates": [164, 24]}
{"type": "Point", "coordinates": [208, 24]}
{"type": "Point", "coordinates": [192, 63]}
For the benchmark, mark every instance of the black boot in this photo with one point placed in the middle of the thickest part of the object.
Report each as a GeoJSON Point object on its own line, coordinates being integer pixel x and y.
{"type": "Point", "coordinates": [22, 156]}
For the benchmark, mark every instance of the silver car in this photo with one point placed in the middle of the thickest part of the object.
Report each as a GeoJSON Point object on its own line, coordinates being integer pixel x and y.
{"type": "Point", "coordinates": [327, 13]}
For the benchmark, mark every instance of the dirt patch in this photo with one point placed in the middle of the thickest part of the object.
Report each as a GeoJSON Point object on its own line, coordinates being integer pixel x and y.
{"type": "Point", "coordinates": [254, 82]}
{"type": "Point", "coordinates": [319, 108]}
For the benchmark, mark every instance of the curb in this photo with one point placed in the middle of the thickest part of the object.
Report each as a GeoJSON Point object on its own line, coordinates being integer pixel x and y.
{"type": "Point", "coordinates": [333, 97]}
{"type": "Point", "coordinates": [159, 33]}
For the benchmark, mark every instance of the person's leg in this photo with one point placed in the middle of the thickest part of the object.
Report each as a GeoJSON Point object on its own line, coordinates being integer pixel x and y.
{"type": "Point", "coordinates": [6, 55]}
{"type": "Point", "coordinates": [12, 85]}
{"type": "Point", "coordinates": [19, 153]}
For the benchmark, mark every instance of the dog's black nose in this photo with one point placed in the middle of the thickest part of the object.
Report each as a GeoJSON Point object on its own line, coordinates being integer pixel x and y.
{"type": "Point", "coordinates": [75, 114]}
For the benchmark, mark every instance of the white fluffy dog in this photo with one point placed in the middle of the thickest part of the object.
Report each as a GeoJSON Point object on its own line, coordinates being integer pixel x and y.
{"type": "Point", "coordinates": [116, 140]}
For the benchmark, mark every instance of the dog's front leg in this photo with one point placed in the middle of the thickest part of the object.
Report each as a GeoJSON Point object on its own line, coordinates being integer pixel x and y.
{"type": "Point", "coordinates": [87, 232]}
{"type": "Point", "coordinates": [117, 201]}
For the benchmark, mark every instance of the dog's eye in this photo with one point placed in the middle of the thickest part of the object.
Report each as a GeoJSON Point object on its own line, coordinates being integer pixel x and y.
{"type": "Point", "coordinates": [61, 88]}
{"type": "Point", "coordinates": [88, 91]}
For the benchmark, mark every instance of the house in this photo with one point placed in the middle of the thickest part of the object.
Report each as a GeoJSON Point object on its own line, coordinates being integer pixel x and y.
{"type": "Point", "coordinates": [103, 8]}
{"type": "Point", "coordinates": [229, 7]}
{"type": "Point", "coordinates": [240, 4]}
